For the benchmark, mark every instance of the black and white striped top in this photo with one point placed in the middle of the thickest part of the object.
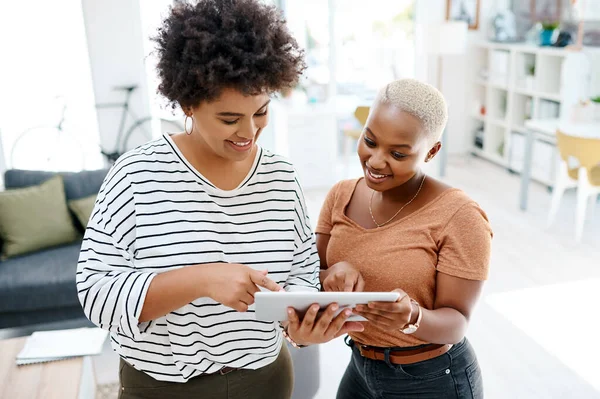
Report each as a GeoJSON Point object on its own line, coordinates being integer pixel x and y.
{"type": "Point", "coordinates": [155, 213]}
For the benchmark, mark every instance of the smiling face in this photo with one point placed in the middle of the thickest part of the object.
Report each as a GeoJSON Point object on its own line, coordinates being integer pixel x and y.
{"type": "Point", "coordinates": [392, 147]}
{"type": "Point", "coordinates": [231, 124]}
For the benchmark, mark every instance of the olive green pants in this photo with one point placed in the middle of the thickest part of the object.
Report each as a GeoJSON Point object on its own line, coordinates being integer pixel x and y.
{"type": "Point", "coordinates": [275, 381]}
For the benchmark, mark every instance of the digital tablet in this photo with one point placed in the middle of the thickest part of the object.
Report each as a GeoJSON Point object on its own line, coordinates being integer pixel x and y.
{"type": "Point", "coordinates": [272, 306]}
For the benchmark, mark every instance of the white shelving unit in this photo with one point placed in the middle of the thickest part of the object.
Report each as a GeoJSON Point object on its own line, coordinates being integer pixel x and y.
{"type": "Point", "coordinates": [513, 83]}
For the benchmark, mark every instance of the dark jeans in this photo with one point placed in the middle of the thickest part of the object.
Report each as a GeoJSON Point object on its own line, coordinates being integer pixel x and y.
{"type": "Point", "coordinates": [455, 374]}
{"type": "Point", "coordinates": [275, 380]}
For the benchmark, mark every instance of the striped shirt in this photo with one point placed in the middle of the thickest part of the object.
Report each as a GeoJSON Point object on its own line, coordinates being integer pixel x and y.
{"type": "Point", "coordinates": [155, 213]}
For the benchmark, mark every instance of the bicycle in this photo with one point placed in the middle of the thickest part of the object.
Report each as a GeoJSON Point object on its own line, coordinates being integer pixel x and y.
{"type": "Point", "coordinates": [138, 133]}
{"type": "Point", "coordinates": [47, 147]}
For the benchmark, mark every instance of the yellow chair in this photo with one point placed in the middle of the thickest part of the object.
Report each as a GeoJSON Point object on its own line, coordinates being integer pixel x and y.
{"type": "Point", "coordinates": [585, 175]}
{"type": "Point", "coordinates": [351, 135]}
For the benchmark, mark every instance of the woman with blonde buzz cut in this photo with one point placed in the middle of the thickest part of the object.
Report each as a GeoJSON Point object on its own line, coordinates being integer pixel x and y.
{"type": "Point", "coordinates": [397, 229]}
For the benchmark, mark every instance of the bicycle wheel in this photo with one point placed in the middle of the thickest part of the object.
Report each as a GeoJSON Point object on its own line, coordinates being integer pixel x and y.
{"type": "Point", "coordinates": [47, 148]}
{"type": "Point", "coordinates": [139, 133]}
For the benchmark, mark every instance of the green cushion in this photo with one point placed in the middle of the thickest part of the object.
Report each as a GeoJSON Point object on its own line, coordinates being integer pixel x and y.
{"type": "Point", "coordinates": [82, 208]}
{"type": "Point", "coordinates": [35, 218]}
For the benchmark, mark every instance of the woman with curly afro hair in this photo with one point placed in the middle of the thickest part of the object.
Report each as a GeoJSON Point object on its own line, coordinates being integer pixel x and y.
{"type": "Point", "coordinates": [187, 228]}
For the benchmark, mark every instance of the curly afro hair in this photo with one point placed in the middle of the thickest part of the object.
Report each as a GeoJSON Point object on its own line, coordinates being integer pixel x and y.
{"type": "Point", "coordinates": [217, 44]}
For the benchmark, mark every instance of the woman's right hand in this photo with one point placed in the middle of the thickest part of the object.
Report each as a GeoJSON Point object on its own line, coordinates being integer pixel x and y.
{"type": "Point", "coordinates": [234, 285]}
{"type": "Point", "coordinates": [315, 328]}
{"type": "Point", "coordinates": [343, 277]}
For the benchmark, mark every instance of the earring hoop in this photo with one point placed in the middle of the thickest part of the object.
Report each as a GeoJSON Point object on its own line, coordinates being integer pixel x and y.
{"type": "Point", "coordinates": [185, 125]}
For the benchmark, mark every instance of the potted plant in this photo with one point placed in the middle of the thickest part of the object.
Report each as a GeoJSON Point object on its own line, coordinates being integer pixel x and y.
{"type": "Point", "coordinates": [548, 33]}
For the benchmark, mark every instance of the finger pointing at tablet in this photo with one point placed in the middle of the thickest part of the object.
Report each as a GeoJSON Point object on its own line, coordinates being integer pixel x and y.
{"type": "Point", "coordinates": [234, 285]}
{"type": "Point", "coordinates": [260, 278]}
{"type": "Point", "coordinates": [343, 277]}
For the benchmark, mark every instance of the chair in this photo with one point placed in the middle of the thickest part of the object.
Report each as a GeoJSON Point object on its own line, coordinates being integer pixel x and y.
{"type": "Point", "coordinates": [351, 135]}
{"type": "Point", "coordinates": [585, 175]}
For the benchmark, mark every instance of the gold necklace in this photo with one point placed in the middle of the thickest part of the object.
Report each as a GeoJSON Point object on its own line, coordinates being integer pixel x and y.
{"type": "Point", "coordinates": [399, 210]}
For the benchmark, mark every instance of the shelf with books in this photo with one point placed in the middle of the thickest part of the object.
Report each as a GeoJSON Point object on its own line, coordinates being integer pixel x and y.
{"type": "Point", "coordinates": [521, 82]}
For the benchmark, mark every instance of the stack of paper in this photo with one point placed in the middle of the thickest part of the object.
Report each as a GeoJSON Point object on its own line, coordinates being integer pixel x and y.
{"type": "Point", "coordinates": [47, 346]}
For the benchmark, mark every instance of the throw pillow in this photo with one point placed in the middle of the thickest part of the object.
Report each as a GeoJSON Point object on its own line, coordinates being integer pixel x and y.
{"type": "Point", "coordinates": [35, 218]}
{"type": "Point", "coordinates": [82, 208]}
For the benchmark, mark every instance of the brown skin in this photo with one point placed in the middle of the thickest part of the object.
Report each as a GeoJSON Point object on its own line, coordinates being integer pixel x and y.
{"type": "Point", "coordinates": [315, 329]}
{"type": "Point", "coordinates": [233, 286]}
{"type": "Point", "coordinates": [238, 118]}
{"type": "Point", "coordinates": [394, 144]}
{"type": "Point", "coordinates": [231, 117]}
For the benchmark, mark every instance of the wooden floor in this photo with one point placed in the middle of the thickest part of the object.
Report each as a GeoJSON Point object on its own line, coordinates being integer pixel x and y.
{"type": "Point", "coordinates": [537, 323]}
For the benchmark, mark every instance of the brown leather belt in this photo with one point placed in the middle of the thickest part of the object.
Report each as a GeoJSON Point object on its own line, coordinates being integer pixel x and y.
{"type": "Point", "coordinates": [403, 356]}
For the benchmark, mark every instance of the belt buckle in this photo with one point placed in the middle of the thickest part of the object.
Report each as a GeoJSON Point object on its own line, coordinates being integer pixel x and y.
{"type": "Point", "coordinates": [362, 349]}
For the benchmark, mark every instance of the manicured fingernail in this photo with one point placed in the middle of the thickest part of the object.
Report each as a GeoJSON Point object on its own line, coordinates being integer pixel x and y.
{"type": "Point", "coordinates": [371, 305]}
{"type": "Point", "coordinates": [315, 309]}
{"type": "Point", "coordinates": [290, 311]}
{"type": "Point", "coordinates": [347, 312]}
{"type": "Point", "coordinates": [334, 307]}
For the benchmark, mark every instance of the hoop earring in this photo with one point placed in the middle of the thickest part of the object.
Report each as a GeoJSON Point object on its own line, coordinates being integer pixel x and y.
{"type": "Point", "coordinates": [185, 125]}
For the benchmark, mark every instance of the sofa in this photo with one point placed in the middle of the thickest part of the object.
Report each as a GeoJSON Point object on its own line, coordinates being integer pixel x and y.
{"type": "Point", "coordinates": [39, 287]}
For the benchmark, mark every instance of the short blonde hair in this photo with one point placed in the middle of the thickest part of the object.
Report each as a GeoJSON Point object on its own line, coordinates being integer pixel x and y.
{"type": "Point", "coordinates": [421, 100]}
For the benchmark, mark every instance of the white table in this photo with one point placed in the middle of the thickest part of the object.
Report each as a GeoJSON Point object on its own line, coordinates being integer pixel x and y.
{"type": "Point", "coordinates": [549, 127]}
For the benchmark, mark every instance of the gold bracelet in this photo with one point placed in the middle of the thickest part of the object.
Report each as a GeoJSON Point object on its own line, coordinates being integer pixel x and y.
{"type": "Point", "coordinates": [289, 339]}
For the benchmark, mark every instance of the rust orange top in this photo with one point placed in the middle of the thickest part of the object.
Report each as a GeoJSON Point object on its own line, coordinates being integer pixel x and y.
{"type": "Point", "coordinates": [450, 234]}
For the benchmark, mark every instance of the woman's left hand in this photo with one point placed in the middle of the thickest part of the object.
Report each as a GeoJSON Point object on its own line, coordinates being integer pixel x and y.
{"type": "Point", "coordinates": [388, 315]}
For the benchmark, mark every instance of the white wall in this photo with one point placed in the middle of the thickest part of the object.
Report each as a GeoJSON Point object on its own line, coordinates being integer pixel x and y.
{"type": "Point", "coordinates": [152, 14]}
{"type": "Point", "coordinates": [115, 41]}
{"type": "Point", "coordinates": [456, 82]}
{"type": "Point", "coordinates": [44, 55]}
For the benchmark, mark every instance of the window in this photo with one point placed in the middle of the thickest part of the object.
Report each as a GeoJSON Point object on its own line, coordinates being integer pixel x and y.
{"type": "Point", "coordinates": [370, 47]}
